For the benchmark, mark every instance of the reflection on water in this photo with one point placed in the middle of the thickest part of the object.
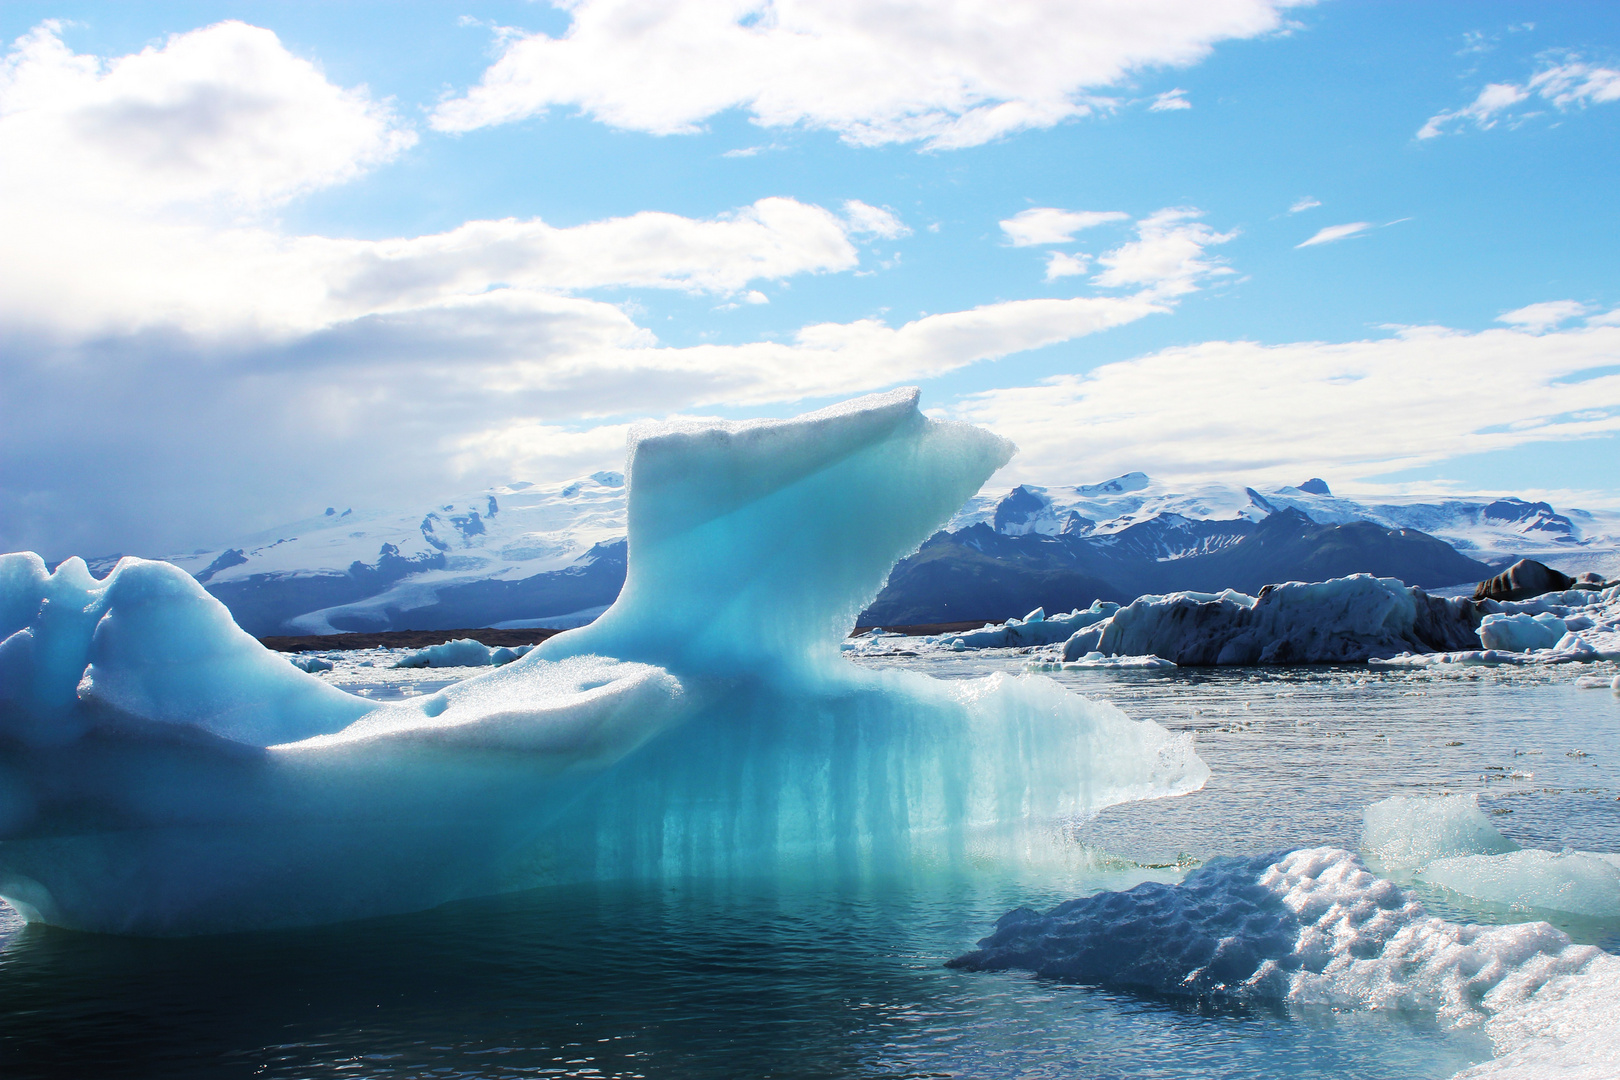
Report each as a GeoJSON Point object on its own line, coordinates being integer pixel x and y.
{"type": "Point", "coordinates": [698, 980]}
{"type": "Point", "coordinates": [671, 981]}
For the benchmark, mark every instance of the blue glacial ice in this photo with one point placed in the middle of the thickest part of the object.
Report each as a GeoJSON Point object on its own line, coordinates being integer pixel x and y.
{"type": "Point", "coordinates": [462, 652]}
{"type": "Point", "coordinates": [1447, 841]}
{"type": "Point", "coordinates": [161, 773]}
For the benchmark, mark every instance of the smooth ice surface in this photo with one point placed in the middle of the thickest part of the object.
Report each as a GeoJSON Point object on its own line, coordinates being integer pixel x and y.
{"type": "Point", "coordinates": [1409, 831]}
{"type": "Point", "coordinates": [1573, 881]}
{"type": "Point", "coordinates": [1315, 927]}
{"type": "Point", "coordinates": [1447, 841]}
{"type": "Point", "coordinates": [1521, 633]}
{"type": "Point", "coordinates": [161, 773]}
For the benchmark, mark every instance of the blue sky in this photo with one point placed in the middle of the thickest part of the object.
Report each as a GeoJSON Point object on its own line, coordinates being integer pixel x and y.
{"type": "Point", "coordinates": [269, 257]}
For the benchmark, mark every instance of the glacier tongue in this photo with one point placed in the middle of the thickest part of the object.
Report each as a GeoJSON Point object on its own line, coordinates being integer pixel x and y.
{"type": "Point", "coordinates": [160, 773]}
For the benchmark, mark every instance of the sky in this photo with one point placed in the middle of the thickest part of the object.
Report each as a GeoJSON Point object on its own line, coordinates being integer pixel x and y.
{"type": "Point", "coordinates": [257, 259]}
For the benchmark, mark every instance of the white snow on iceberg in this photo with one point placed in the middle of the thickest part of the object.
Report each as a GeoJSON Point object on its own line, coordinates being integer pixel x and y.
{"type": "Point", "coordinates": [1315, 927]}
{"type": "Point", "coordinates": [161, 773]}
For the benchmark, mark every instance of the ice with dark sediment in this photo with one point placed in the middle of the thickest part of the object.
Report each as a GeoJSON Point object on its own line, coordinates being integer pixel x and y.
{"type": "Point", "coordinates": [162, 773]}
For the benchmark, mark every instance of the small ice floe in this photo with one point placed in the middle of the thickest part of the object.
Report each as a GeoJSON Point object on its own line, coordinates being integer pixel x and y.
{"type": "Point", "coordinates": [1486, 657]}
{"type": "Point", "coordinates": [1096, 659]}
{"type": "Point", "coordinates": [1036, 628]}
{"type": "Point", "coordinates": [1316, 927]}
{"type": "Point", "coordinates": [310, 663]}
{"type": "Point", "coordinates": [1447, 841]}
{"type": "Point", "coordinates": [462, 652]}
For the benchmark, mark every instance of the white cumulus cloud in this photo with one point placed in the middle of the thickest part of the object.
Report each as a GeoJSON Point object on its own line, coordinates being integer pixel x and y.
{"type": "Point", "coordinates": [1168, 257]}
{"type": "Point", "coordinates": [223, 113]}
{"type": "Point", "coordinates": [1060, 264]}
{"type": "Point", "coordinates": [1049, 225]}
{"type": "Point", "coordinates": [875, 221]}
{"type": "Point", "coordinates": [949, 74]}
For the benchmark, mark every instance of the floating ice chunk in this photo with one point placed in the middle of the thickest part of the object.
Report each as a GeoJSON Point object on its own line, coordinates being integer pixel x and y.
{"type": "Point", "coordinates": [1521, 633]}
{"type": "Point", "coordinates": [1310, 926]}
{"type": "Point", "coordinates": [504, 655]}
{"type": "Point", "coordinates": [1486, 657]}
{"type": "Point", "coordinates": [1345, 620]}
{"type": "Point", "coordinates": [1032, 630]}
{"type": "Point", "coordinates": [462, 652]}
{"type": "Point", "coordinates": [1099, 660]}
{"type": "Point", "coordinates": [311, 664]}
{"type": "Point", "coordinates": [1447, 841]}
{"type": "Point", "coordinates": [1574, 881]}
{"type": "Point", "coordinates": [1411, 831]}
{"type": "Point", "coordinates": [681, 734]}
{"type": "Point", "coordinates": [1315, 927]}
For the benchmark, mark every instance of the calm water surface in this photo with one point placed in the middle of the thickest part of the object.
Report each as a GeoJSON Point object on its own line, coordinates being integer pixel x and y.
{"type": "Point", "coordinates": [750, 980]}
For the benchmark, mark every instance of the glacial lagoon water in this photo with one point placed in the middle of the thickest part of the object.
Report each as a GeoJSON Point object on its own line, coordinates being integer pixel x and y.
{"type": "Point", "coordinates": [830, 978]}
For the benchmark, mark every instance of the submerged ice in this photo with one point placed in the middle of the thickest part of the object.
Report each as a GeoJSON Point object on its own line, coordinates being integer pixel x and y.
{"type": "Point", "coordinates": [1448, 841]}
{"type": "Point", "coordinates": [161, 773]}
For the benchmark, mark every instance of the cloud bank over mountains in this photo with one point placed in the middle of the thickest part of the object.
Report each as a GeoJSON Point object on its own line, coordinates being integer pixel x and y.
{"type": "Point", "coordinates": [181, 364]}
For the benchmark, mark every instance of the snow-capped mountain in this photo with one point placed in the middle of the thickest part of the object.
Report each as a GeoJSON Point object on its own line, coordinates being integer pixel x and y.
{"type": "Point", "coordinates": [527, 554]}
{"type": "Point", "coordinates": [521, 552]}
{"type": "Point", "coordinates": [1490, 530]}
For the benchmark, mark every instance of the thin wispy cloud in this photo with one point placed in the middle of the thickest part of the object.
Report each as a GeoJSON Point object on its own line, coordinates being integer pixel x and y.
{"type": "Point", "coordinates": [1169, 101]}
{"type": "Point", "coordinates": [1566, 84]}
{"type": "Point", "coordinates": [1336, 232]}
{"type": "Point", "coordinates": [1304, 203]}
{"type": "Point", "coordinates": [1362, 407]}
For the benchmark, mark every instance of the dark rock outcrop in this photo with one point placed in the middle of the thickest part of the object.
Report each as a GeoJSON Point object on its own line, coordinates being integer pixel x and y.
{"type": "Point", "coordinates": [1522, 580]}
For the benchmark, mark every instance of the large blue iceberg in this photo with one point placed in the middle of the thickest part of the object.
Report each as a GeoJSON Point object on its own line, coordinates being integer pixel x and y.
{"type": "Point", "coordinates": [161, 773]}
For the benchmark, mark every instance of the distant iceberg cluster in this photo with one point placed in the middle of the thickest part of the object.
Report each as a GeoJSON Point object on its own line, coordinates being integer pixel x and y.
{"type": "Point", "coordinates": [163, 773]}
{"type": "Point", "coordinates": [1355, 619]}
{"type": "Point", "coordinates": [1315, 927]}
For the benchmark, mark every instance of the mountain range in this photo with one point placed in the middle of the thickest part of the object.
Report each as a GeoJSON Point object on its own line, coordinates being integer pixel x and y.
{"type": "Point", "coordinates": [526, 555]}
